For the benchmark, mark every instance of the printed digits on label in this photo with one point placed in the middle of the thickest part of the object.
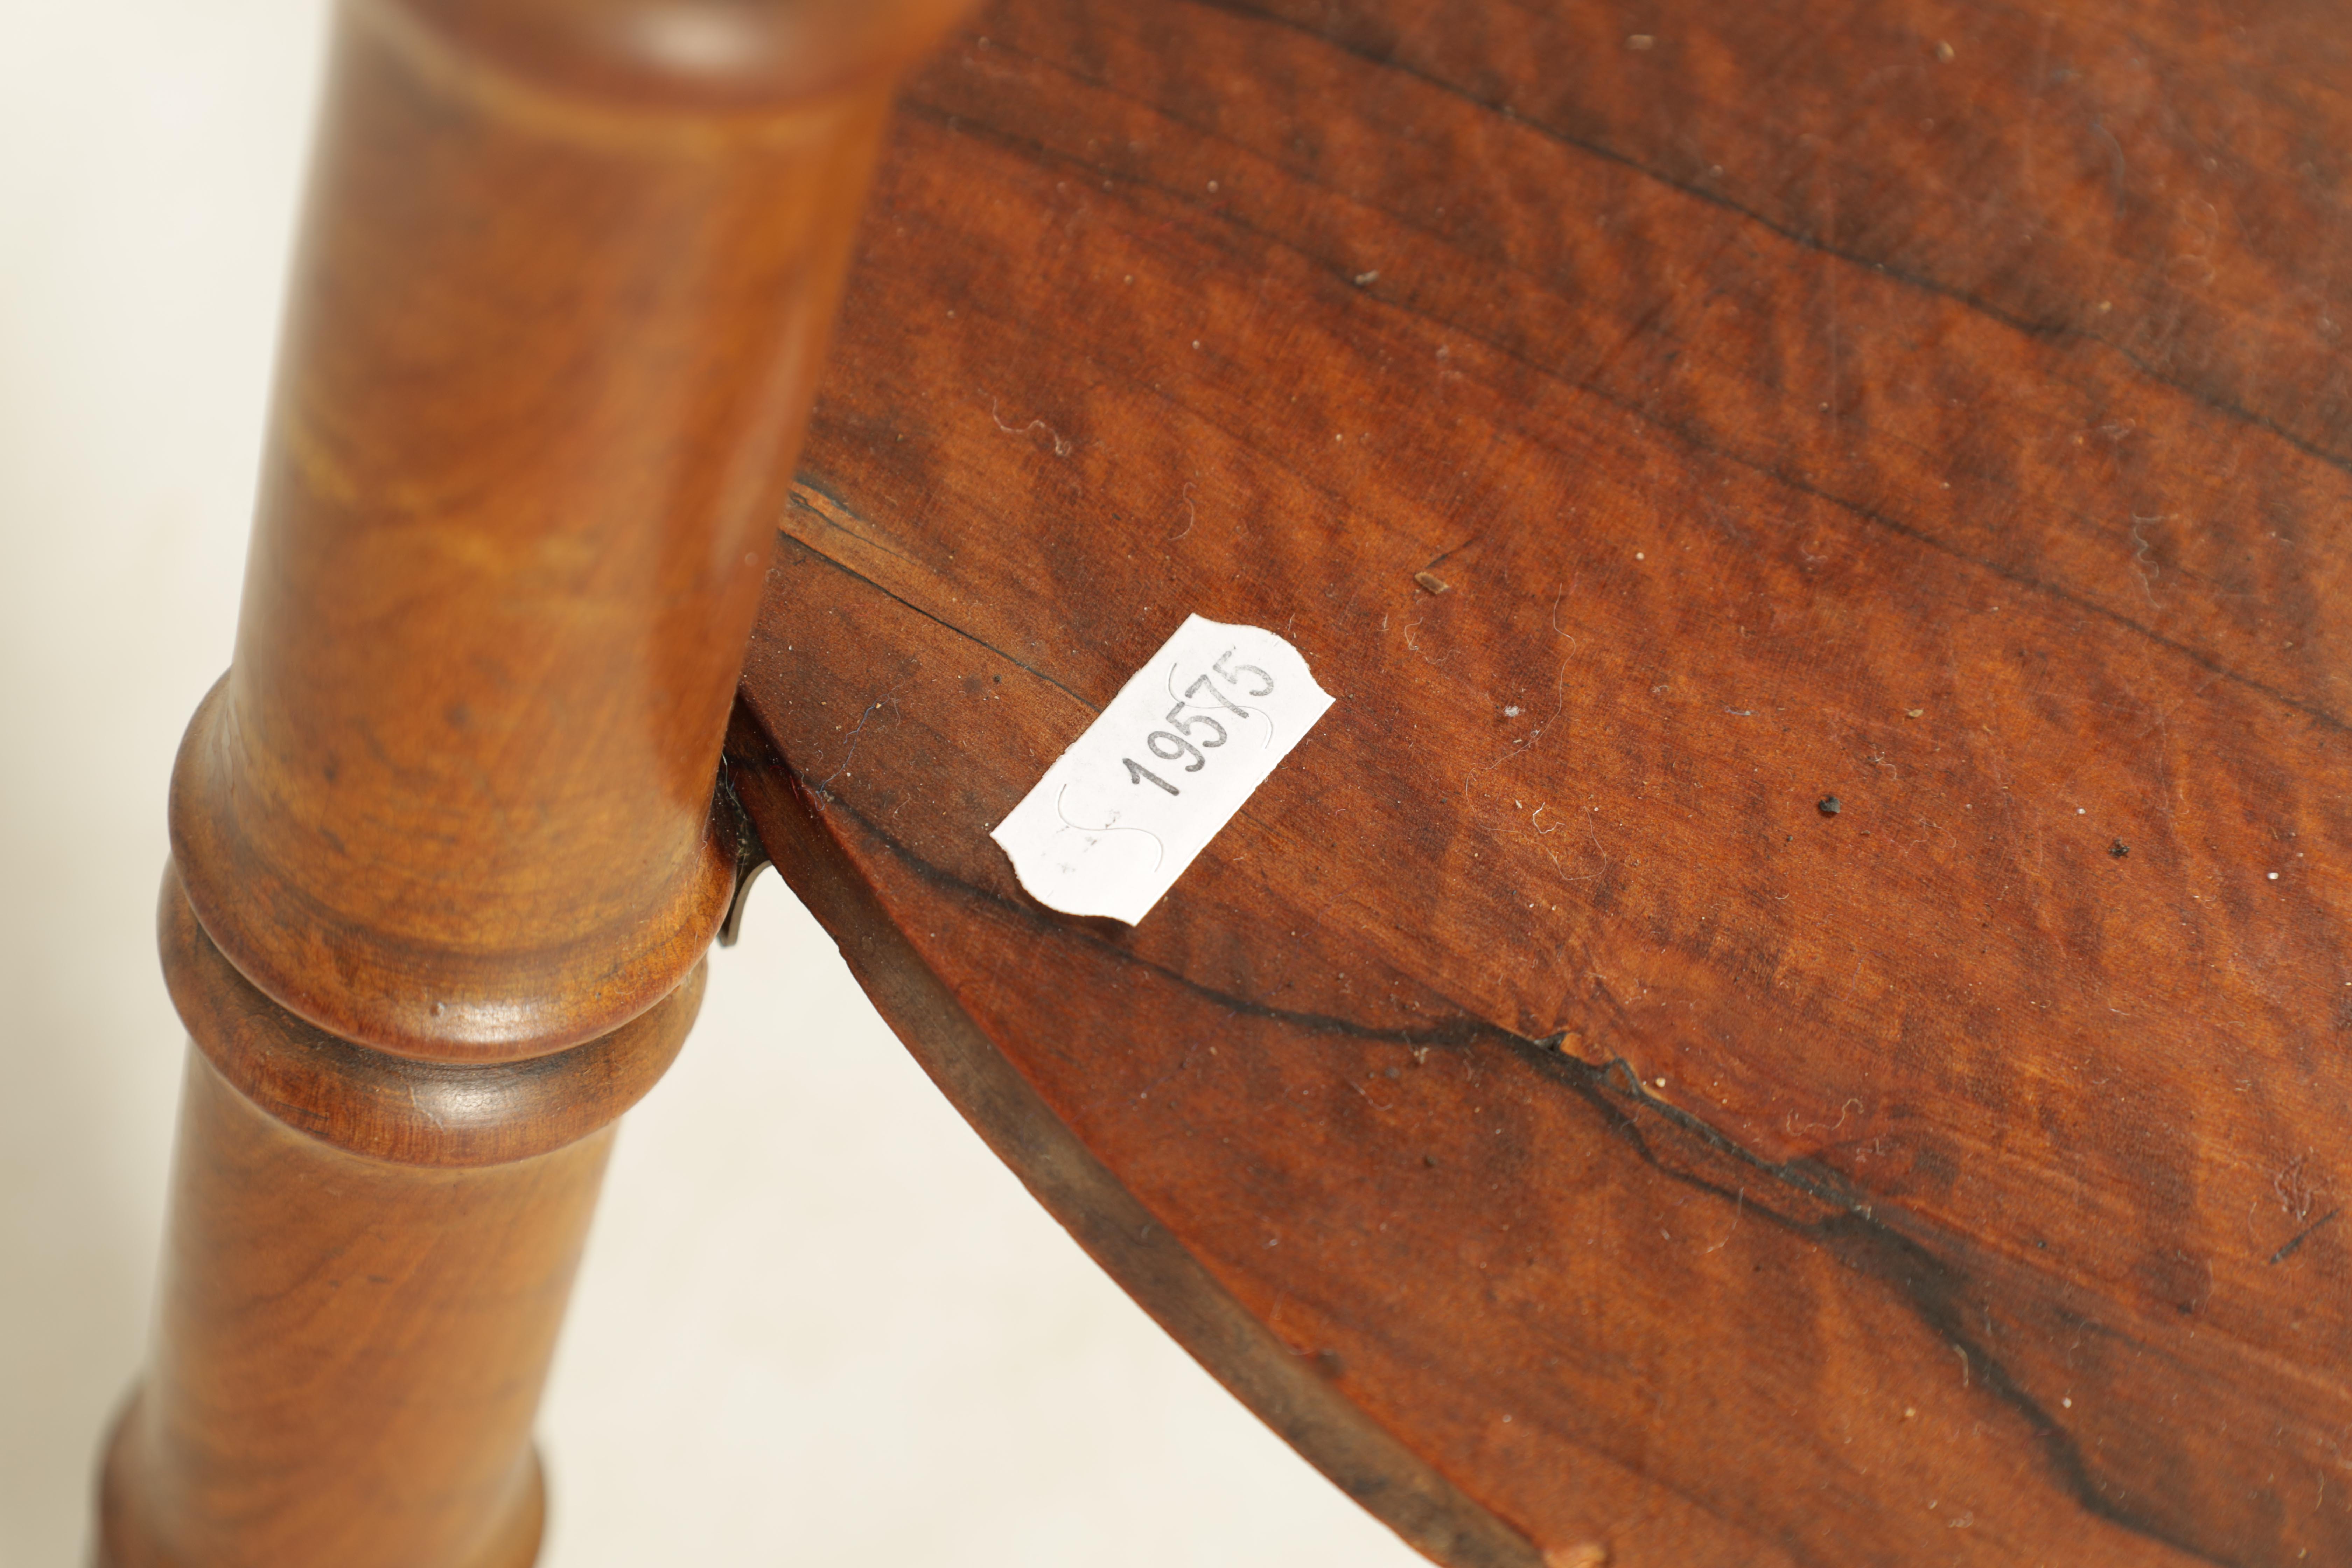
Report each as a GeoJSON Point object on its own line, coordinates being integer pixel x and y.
{"type": "Point", "coordinates": [1219, 698]}
{"type": "Point", "coordinates": [1233, 677]}
{"type": "Point", "coordinates": [1183, 746]}
{"type": "Point", "coordinates": [1175, 717]}
{"type": "Point", "coordinates": [1137, 773]}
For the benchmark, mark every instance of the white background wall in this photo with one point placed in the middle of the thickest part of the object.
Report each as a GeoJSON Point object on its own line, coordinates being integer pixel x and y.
{"type": "Point", "coordinates": [818, 1324]}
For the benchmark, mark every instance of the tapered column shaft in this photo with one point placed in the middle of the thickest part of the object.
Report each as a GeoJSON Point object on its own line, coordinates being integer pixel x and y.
{"type": "Point", "coordinates": [447, 845]}
{"type": "Point", "coordinates": [561, 294]}
{"type": "Point", "coordinates": [367, 1263]}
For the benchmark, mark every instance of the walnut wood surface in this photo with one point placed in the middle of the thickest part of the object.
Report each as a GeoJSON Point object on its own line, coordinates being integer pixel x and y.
{"type": "Point", "coordinates": [367, 1263]}
{"type": "Point", "coordinates": [448, 841]}
{"type": "Point", "coordinates": [350, 1353]}
{"type": "Point", "coordinates": [1289, 1392]}
{"type": "Point", "coordinates": [397, 1108]}
{"type": "Point", "coordinates": [564, 285]}
{"type": "Point", "coordinates": [1939, 409]}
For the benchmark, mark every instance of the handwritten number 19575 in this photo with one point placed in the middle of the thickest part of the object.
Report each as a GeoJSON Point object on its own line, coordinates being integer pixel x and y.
{"type": "Point", "coordinates": [1177, 741]}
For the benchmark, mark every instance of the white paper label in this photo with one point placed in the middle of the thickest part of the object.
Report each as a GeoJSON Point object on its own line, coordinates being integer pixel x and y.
{"type": "Point", "coordinates": [1119, 816]}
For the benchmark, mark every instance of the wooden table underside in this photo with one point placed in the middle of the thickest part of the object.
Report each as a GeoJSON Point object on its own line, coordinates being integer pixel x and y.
{"type": "Point", "coordinates": [1533, 1102]}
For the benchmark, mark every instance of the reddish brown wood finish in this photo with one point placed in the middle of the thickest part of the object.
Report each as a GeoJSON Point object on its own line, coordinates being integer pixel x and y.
{"type": "Point", "coordinates": [367, 1264]}
{"type": "Point", "coordinates": [548, 351]}
{"type": "Point", "coordinates": [447, 845]}
{"type": "Point", "coordinates": [1939, 409]}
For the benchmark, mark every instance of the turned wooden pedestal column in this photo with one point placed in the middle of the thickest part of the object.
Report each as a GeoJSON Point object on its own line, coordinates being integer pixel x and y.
{"type": "Point", "coordinates": [448, 840]}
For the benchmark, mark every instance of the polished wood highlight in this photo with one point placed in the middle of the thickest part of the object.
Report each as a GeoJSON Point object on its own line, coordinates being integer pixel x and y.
{"type": "Point", "coordinates": [351, 1351]}
{"type": "Point", "coordinates": [400, 1108]}
{"type": "Point", "coordinates": [1651, 422]}
{"type": "Point", "coordinates": [448, 844]}
{"type": "Point", "coordinates": [1290, 1392]}
{"type": "Point", "coordinates": [551, 342]}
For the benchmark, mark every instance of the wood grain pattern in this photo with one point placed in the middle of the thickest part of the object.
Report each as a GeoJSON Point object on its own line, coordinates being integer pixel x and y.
{"type": "Point", "coordinates": [398, 1108]}
{"type": "Point", "coordinates": [351, 1351]}
{"type": "Point", "coordinates": [1936, 408]}
{"type": "Point", "coordinates": [1291, 1394]}
{"type": "Point", "coordinates": [549, 354]}
{"type": "Point", "coordinates": [448, 841]}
